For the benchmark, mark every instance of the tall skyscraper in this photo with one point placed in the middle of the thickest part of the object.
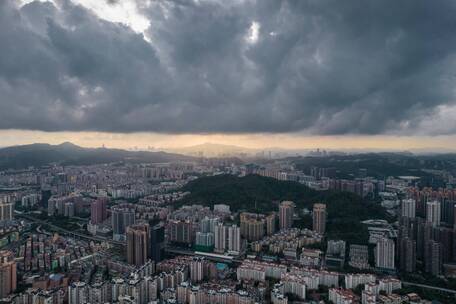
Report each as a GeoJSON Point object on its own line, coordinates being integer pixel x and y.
{"type": "Point", "coordinates": [271, 224]}
{"type": "Point", "coordinates": [234, 238]}
{"type": "Point", "coordinates": [433, 213]}
{"type": "Point", "coordinates": [286, 211]}
{"type": "Point", "coordinates": [433, 258]}
{"type": "Point", "coordinates": [407, 254]}
{"type": "Point", "coordinates": [98, 210]}
{"type": "Point", "coordinates": [384, 254]}
{"type": "Point", "coordinates": [138, 246]}
{"type": "Point", "coordinates": [197, 269]}
{"type": "Point", "coordinates": [422, 227]}
{"type": "Point", "coordinates": [447, 210]}
{"type": "Point", "coordinates": [157, 243]}
{"type": "Point", "coordinates": [6, 211]}
{"type": "Point", "coordinates": [408, 208]}
{"type": "Point", "coordinates": [220, 237]}
{"type": "Point", "coordinates": [445, 237]}
{"type": "Point", "coordinates": [319, 218]}
{"type": "Point", "coordinates": [121, 218]}
{"type": "Point", "coordinates": [8, 276]}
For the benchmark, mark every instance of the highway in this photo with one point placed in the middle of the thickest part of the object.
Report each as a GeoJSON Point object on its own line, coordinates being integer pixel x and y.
{"type": "Point", "coordinates": [171, 250]}
{"type": "Point", "coordinates": [430, 287]}
{"type": "Point", "coordinates": [73, 233]}
{"type": "Point", "coordinates": [209, 256]}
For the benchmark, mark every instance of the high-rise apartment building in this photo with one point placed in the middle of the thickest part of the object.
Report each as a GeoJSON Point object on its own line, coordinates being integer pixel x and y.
{"type": "Point", "coordinates": [157, 243]}
{"type": "Point", "coordinates": [336, 248]}
{"type": "Point", "coordinates": [319, 218]}
{"type": "Point", "coordinates": [359, 256]}
{"type": "Point", "coordinates": [407, 254]}
{"type": "Point", "coordinates": [78, 293]}
{"type": "Point", "coordinates": [181, 232]}
{"type": "Point", "coordinates": [6, 211]}
{"type": "Point", "coordinates": [8, 276]}
{"type": "Point", "coordinates": [433, 258]}
{"type": "Point", "coordinates": [433, 213]}
{"type": "Point", "coordinates": [252, 226]}
{"type": "Point", "coordinates": [447, 211]}
{"type": "Point", "coordinates": [271, 224]}
{"type": "Point", "coordinates": [121, 218]}
{"type": "Point", "coordinates": [208, 224]}
{"type": "Point", "coordinates": [138, 244]}
{"type": "Point", "coordinates": [197, 266]}
{"type": "Point", "coordinates": [446, 238]}
{"type": "Point", "coordinates": [384, 254]}
{"type": "Point", "coordinates": [408, 208]}
{"type": "Point", "coordinates": [234, 238]}
{"type": "Point", "coordinates": [98, 210]}
{"type": "Point", "coordinates": [286, 211]}
{"type": "Point", "coordinates": [100, 292]}
{"type": "Point", "coordinates": [220, 237]}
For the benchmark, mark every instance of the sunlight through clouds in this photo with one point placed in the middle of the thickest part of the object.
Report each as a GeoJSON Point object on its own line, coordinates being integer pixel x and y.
{"type": "Point", "coordinates": [125, 12]}
{"type": "Point", "coordinates": [253, 33]}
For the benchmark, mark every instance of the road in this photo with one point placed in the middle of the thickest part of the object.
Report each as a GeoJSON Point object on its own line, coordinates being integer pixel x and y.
{"type": "Point", "coordinates": [216, 258]}
{"type": "Point", "coordinates": [76, 234]}
{"type": "Point", "coordinates": [38, 229]}
{"type": "Point", "coordinates": [430, 287]}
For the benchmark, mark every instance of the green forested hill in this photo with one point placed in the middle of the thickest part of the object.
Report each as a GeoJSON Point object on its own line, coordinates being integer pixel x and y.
{"type": "Point", "coordinates": [37, 155]}
{"type": "Point", "coordinates": [262, 194]}
{"type": "Point", "coordinates": [241, 193]}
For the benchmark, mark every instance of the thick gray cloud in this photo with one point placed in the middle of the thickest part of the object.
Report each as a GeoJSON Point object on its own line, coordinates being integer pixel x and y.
{"type": "Point", "coordinates": [321, 67]}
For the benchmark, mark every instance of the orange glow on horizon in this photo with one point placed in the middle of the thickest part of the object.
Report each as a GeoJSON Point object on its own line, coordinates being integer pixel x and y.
{"type": "Point", "coordinates": [252, 141]}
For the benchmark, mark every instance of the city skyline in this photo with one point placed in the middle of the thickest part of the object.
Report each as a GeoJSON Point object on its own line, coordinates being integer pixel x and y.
{"type": "Point", "coordinates": [292, 142]}
{"type": "Point", "coordinates": [227, 151]}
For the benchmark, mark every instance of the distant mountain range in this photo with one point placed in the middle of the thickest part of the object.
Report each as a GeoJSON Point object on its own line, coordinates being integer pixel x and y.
{"type": "Point", "coordinates": [37, 155]}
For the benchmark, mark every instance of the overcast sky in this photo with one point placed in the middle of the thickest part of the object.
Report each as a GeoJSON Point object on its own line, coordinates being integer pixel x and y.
{"type": "Point", "coordinates": [298, 68]}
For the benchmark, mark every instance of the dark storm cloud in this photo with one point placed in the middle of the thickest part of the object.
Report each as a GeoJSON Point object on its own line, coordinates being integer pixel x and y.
{"type": "Point", "coordinates": [322, 67]}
